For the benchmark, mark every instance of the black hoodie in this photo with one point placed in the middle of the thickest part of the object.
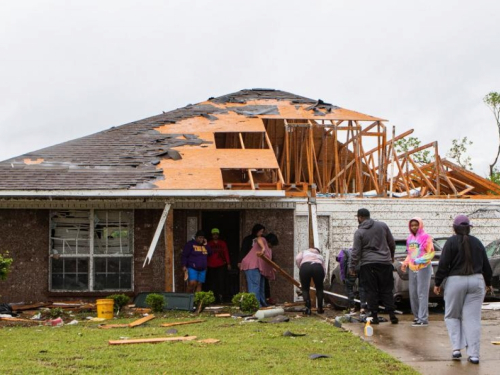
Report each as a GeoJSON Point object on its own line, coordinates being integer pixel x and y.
{"type": "Point", "coordinates": [373, 243]}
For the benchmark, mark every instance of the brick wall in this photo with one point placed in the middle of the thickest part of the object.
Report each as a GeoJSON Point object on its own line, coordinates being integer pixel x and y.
{"type": "Point", "coordinates": [152, 277]}
{"type": "Point", "coordinates": [25, 235]}
{"type": "Point", "coordinates": [281, 223]}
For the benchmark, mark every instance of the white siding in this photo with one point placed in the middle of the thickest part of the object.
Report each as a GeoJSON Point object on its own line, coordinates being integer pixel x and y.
{"type": "Point", "coordinates": [437, 215]}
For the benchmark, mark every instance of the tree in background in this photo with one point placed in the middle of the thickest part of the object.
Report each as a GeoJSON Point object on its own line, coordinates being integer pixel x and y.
{"type": "Point", "coordinates": [492, 100]}
{"type": "Point", "coordinates": [411, 143]}
{"type": "Point", "coordinates": [458, 152]}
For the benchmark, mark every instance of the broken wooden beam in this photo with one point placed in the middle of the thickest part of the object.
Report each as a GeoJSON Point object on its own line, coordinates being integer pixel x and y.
{"type": "Point", "coordinates": [141, 321]}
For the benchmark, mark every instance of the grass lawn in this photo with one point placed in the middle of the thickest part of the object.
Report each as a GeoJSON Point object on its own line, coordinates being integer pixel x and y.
{"type": "Point", "coordinates": [245, 348]}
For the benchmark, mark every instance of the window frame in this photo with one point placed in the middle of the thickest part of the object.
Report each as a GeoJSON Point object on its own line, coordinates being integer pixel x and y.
{"type": "Point", "coordinates": [91, 256]}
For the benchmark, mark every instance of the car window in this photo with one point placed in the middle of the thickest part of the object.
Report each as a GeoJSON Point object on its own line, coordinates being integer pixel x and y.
{"type": "Point", "coordinates": [400, 248]}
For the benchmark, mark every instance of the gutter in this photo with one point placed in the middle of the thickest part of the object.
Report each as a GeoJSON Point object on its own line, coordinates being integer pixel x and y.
{"type": "Point", "coordinates": [142, 193]}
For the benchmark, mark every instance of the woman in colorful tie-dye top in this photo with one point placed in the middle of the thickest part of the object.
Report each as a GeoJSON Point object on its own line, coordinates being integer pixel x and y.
{"type": "Point", "coordinates": [420, 251]}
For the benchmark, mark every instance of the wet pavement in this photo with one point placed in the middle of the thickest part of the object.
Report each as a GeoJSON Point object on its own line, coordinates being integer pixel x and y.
{"type": "Point", "coordinates": [428, 350]}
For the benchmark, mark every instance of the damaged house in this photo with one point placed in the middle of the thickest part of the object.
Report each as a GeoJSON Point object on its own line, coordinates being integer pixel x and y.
{"type": "Point", "coordinates": [110, 212]}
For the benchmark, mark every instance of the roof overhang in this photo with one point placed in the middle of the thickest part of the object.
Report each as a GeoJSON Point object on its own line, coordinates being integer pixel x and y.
{"type": "Point", "coordinates": [143, 193]}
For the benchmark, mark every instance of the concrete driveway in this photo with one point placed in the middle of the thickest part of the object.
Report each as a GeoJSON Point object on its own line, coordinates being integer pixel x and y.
{"type": "Point", "coordinates": [428, 350]}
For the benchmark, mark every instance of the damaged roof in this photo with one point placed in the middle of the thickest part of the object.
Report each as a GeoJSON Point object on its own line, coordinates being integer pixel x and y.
{"type": "Point", "coordinates": [167, 151]}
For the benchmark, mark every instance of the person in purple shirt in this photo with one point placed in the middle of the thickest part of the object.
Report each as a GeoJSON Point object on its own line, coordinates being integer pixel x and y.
{"type": "Point", "coordinates": [194, 261]}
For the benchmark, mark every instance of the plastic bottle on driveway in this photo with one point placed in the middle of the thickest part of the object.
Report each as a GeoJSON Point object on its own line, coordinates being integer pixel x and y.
{"type": "Point", "coordinates": [368, 327]}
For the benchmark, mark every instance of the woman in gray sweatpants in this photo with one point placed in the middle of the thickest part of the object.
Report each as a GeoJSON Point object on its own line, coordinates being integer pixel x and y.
{"type": "Point", "coordinates": [465, 265]}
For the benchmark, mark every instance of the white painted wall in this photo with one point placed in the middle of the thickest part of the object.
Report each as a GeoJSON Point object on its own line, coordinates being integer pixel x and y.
{"type": "Point", "coordinates": [337, 222]}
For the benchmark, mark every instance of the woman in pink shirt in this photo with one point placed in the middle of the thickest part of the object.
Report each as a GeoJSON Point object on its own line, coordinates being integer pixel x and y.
{"type": "Point", "coordinates": [256, 269]}
{"type": "Point", "coordinates": [311, 266]}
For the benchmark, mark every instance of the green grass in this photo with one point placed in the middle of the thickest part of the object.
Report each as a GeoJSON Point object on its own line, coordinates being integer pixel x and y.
{"type": "Point", "coordinates": [248, 348]}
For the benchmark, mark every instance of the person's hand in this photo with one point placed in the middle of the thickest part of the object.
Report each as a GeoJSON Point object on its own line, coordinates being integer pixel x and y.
{"type": "Point", "coordinates": [260, 253]}
{"type": "Point", "coordinates": [229, 267]}
{"type": "Point", "coordinates": [437, 290]}
{"type": "Point", "coordinates": [184, 268]}
{"type": "Point", "coordinates": [352, 272]}
{"type": "Point", "coordinates": [239, 265]}
{"type": "Point", "coordinates": [205, 242]}
{"type": "Point", "coordinates": [489, 289]}
{"type": "Point", "coordinates": [404, 266]}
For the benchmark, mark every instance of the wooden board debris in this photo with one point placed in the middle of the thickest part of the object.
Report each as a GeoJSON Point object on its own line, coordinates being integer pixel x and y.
{"type": "Point", "coordinates": [150, 341]}
{"type": "Point", "coordinates": [141, 321]}
{"type": "Point", "coordinates": [181, 323]}
{"type": "Point", "coordinates": [19, 320]}
{"type": "Point", "coordinates": [222, 315]}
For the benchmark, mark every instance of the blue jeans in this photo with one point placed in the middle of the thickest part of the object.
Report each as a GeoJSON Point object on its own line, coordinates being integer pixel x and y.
{"type": "Point", "coordinates": [257, 285]}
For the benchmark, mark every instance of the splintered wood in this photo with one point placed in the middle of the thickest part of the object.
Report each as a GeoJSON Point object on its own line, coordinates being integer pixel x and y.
{"type": "Point", "coordinates": [150, 341]}
{"type": "Point", "coordinates": [129, 325]}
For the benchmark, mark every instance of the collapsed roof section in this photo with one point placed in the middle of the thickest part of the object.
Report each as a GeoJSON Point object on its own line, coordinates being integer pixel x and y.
{"type": "Point", "coordinates": [256, 139]}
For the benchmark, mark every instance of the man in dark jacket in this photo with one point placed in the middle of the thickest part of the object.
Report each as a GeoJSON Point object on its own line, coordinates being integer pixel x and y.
{"type": "Point", "coordinates": [194, 261]}
{"type": "Point", "coordinates": [373, 252]}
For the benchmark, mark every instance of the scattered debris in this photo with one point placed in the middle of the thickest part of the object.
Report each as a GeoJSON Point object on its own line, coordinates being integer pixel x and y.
{"type": "Point", "coordinates": [291, 334]}
{"type": "Point", "coordinates": [129, 325]}
{"type": "Point", "coordinates": [171, 331]}
{"type": "Point", "coordinates": [316, 356]}
{"type": "Point", "coordinates": [491, 306]}
{"type": "Point", "coordinates": [280, 319]}
{"type": "Point", "coordinates": [222, 315]}
{"type": "Point", "coordinates": [181, 323]}
{"type": "Point", "coordinates": [141, 321]}
{"type": "Point", "coordinates": [150, 341]}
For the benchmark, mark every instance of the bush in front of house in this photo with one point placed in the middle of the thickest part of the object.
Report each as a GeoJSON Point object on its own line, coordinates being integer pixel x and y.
{"type": "Point", "coordinates": [5, 263]}
{"type": "Point", "coordinates": [156, 301]}
{"type": "Point", "coordinates": [203, 299]}
{"type": "Point", "coordinates": [247, 302]}
{"type": "Point", "coordinates": [120, 301]}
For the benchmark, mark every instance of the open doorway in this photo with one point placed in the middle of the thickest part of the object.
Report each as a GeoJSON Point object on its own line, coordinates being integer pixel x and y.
{"type": "Point", "coordinates": [228, 223]}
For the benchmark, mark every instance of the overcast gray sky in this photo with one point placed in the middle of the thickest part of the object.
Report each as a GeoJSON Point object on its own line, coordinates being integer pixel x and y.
{"type": "Point", "coordinates": [72, 68]}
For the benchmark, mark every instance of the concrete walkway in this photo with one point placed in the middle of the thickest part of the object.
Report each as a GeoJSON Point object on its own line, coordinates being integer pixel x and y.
{"type": "Point", "coordinates": [427, 349]}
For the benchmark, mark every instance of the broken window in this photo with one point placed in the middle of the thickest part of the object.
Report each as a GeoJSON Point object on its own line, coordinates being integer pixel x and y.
{"type": "Point", "coordinates": [91, 250]}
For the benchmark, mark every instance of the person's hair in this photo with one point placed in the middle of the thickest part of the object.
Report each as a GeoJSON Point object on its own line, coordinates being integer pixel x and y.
{"type": "Point", "coordinates": [200, 233]}
{"type": "Point", "coordinates": [272, 239]}
{"type": "Point", "coordinates": [256, 228]}
{"type": "Point", "coordinates": [464, 245]}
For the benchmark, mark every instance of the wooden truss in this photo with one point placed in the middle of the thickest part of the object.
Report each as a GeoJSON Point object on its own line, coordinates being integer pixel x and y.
{"type": "Point", "coordinates": [333, 158]}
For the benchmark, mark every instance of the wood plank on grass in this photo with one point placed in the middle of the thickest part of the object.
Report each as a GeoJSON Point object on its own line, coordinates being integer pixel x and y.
{"type": "Point", "coordinates": [141, 321]}
{"type": "Point", "coordinates": [150, 341]}
{"type": "Point", "coordinates": [181, 323]}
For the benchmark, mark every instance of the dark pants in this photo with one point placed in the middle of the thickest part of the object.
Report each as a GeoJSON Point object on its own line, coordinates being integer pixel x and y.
{"type": "Point", "coordinates": [350, 282]}
{"type": "Point", "coordinates": [316, 272]}
{"type": "Point", "coordinates": [215, 281]}
{"type": "Point", "coordinates": [378, 281]}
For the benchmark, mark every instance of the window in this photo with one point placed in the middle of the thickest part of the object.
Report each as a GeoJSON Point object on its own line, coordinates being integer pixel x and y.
{"type": "Point", "coordinates": [91, 250]}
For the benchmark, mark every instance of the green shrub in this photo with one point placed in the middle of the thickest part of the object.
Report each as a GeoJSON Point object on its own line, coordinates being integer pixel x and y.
{"type": "Point", "coordinates": [120, 300]}
{"type": "Point", "coordinates": [156, 301]}
{"type": "Point", "coordinates": [5, 263]}
{"type": "Point", "coordinates": [247, 302]}
{"type": "Point", "coordinates": [56, 312]}
{"type": "Point", "coordinates": [206, 298]}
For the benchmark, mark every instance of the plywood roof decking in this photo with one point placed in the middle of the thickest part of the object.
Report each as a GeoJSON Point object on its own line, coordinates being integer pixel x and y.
{"type": "Point", "coordinates": [177, 149]}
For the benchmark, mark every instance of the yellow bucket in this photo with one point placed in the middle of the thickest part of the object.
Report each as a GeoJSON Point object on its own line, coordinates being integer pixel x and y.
{"type": "Point", "coordinates": [105, 308]}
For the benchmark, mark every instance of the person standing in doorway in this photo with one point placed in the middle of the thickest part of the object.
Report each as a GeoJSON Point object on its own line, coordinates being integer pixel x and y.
{"type": "Point", "coordinates": [311, 266]}
{"type": "Point", "coordinates": [420, 251]}
{"type": "Point", "coordinates": [373, 250]}
{"type": "Point", "coordinates": [218, 265]}
{"type": "Point", "coordinates": [465, 266]}
{"type": "Point", "coordinates": [256, 269]}
{"type": "Point", "coordinates": [194, 260]}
